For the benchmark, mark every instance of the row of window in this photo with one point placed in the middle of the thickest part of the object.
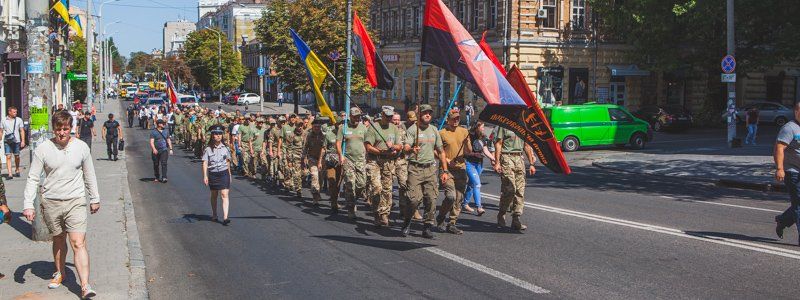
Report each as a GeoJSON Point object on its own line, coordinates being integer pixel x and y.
{"type": "Point", "coordinates": [406, 22]}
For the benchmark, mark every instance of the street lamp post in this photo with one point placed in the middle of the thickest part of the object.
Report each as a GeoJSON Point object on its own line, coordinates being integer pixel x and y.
{"type": "Point", "coordinates": [90, 49]}
{"type": "Point", "coordinates": [104, 63]}
{"type": "Point", "coordinates": [219, 62]}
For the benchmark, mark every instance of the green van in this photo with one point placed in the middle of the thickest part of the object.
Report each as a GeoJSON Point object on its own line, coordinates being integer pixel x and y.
{"type": "Point", "coordinates": [597, 124]}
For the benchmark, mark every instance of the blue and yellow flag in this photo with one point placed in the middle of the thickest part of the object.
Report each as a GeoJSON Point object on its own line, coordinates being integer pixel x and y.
{"type": "Point", "coordinates": [60, 6]}
{"type": "Point", "coordinates": [317, 71]}
{"type": "Point", "coordinates": [76, 25]}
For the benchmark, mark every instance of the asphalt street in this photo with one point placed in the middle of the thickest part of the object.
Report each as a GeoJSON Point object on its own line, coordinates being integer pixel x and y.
{"type": "Point", "coordinates": [593, 234]}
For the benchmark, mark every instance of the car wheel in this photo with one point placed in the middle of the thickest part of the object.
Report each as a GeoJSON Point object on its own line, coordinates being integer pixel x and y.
{"type": "Point", "coordinates": [570, 144]}
{"type": "Point", "coordinates": [780, 121]}
{"type": "Point", "coordinates": [658, 127]}
{"type": "Point", "coordinates": [637, 141]}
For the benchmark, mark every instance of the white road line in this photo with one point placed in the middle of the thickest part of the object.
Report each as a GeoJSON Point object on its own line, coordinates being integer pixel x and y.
{"type": "Point", "coordinates": [723, 204]}
{"type": "Point", "coordinates": [665, 230]}
{"type": "Point", "coordinates": [488, 271]}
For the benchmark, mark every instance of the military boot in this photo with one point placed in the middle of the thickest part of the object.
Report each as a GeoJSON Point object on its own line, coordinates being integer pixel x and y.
{"type": "Point", "coordinates": [427, 232]}
{"type": "Point", "coordinates": [501, 219]}
{"type": "Point", "coordinates": [516, 224]}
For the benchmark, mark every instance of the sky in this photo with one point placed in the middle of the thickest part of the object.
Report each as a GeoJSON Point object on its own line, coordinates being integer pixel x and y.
{"type": "Point", "coordinates": [141, 21]}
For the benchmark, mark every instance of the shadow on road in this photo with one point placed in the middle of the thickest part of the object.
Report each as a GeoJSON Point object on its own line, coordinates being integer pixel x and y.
{"type": "Point", "coordinates": [44, 270]}
{"type": "Point", "coordinates": [736, 236]}
{"type": "Point", "coordinates": [382, 244]}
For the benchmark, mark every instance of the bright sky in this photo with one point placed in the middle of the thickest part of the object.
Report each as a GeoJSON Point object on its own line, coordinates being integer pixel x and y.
{"type": "Point", "coordinates": [141, 21]}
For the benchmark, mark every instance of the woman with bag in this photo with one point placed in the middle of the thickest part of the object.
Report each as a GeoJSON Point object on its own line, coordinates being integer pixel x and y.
{"type": "Point", "coordinates": [474, 161]}
{"type": "Point", "coordinates": [217, 172]}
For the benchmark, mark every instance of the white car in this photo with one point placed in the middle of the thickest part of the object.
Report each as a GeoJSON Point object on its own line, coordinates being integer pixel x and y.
{"type": "Point", "coordinates": [248, 98]}
{"type": "Point", "coordinates": [187, 100]}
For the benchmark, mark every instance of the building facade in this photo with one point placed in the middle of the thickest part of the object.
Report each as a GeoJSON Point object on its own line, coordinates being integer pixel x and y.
{"type": "Point", "coordinates": [174, 36]}
{"type": "Point", "coordinates": [554, 43]}
{"type": "Point", "coordinates": [235, 19]}
{"type": "Point", "coordinates": [12, 55]}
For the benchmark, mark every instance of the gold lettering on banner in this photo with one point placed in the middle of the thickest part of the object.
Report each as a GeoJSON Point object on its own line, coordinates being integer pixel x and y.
{"type": "Point", "coordinates": [505, 122]}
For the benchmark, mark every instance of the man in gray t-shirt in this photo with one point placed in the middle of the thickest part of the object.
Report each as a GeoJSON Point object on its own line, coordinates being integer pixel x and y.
{"type": "Point", "coordinates": [787, 169]}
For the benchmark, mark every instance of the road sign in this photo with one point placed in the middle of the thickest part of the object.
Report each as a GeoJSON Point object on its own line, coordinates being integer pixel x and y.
{"type": "Point", "coordinates": [728, 64]}
{"type": "Point", "coordinates": [334, 55]}
{"type": "Point", "coordinates": [35, 67]}
{"type": "Point", "coordinates": [76, 77]}
{"type": "Point", "coordinates": [260, 71]}
{"type": "Point", "coordinates": [730, 78]}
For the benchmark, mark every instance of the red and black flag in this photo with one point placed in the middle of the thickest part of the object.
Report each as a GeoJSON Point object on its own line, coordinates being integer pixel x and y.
{"type": "Point", "coordinates": [377, 73]}
{"type": "Point", "coordinates": [446, 44]}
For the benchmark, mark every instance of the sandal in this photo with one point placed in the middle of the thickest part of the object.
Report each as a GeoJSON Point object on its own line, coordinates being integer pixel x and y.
{"type": "Point", "coordinates": [468, 209]}
{"type": "Point", "coordinates": [480, 211]}
{"type": "Point", "coordinates": [87, 292]}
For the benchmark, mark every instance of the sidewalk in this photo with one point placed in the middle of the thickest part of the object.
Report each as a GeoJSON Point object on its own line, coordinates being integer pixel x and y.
{"type": "Point", "coordinates": [746, 168]}
{"type": "Point", "coordinates": [117, 265]}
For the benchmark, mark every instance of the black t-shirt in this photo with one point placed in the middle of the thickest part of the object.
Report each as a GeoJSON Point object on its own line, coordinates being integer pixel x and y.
{"type": "Point", "coordinates": [130, 111]}
{"type": "Point", "coordinates": [111, 128]}
{"type": "Point", "coordinates": [85, 126]}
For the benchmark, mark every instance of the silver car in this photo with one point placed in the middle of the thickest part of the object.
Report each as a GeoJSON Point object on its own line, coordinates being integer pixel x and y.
{"type": "Point", "coordinates": [769, 112]}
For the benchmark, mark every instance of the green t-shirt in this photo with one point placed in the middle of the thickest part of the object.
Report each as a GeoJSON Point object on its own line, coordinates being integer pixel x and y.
{"type": "Point", "coordinates": [511, 142]}
{"type": "Point", "coordinates": [258, 140]}
{"type": "Point", "coordinates": [274, 135]}
{"type": "Point", "coordinates": [245, 133]}
{"type": "Point", "coordinates": [390, 133]}
{"type": "Point", "coordinates": [287, 132]}
{"type": "Point", "coordinates": [429, 140]}
{"type": "Point", "coordinates": [330, 141]}
{"type": "Point", "coordinates": [354, 143]}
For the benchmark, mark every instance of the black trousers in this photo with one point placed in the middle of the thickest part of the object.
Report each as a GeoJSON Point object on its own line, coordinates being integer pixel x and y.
{"type": "Point", "coordinates": [88, 141]}
{"type": "Point", "coordinates": [130, 121]}
{"type": "Point", "coordinates": [111, 146]}
{"type": "Point", "coordinates": [160, 163]}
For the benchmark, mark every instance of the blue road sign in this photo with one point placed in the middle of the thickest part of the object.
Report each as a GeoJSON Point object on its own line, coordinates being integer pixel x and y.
{"type": "Point", "coordinates": [260, 71]}
{"type": "Point", "coordinates": [334, 55]}
{"type": "Point", "coordinates": [728, 64]}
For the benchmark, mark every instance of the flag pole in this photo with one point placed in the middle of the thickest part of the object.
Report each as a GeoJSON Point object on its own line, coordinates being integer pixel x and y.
{"type": "Point", "coordinates": [449, 106]}
{"type": "Point", "coordinates": [349, 71]}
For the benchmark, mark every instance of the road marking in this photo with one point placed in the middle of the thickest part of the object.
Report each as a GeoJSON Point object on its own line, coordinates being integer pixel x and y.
{"type": "Point", "coordinates": [489, 271]}
{"type": "Point", "coordinates": [665, 230]}
{"type": "Point", "coordinates": [723, 204]}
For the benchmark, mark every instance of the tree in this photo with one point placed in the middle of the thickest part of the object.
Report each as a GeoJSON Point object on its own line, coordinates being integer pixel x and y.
{"type": "Point", "coordinates": [141, 63]}
{"type": "Point", "coordinates": [202, 57]}
{"type": "Point", "coordinates": [322, 25]}
{"type": "Point", "coordinates": [77, 50]}
{"type": "Point", "coordinates": [178, 70]}
{"type": "Point", "coordinates": [118, 61]}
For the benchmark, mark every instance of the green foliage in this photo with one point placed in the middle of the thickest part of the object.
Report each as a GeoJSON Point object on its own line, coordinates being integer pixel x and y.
{"type": "Point", "coordinates": [202, 57]}
{"type": "Point", "coordinates": [179, 71]}
{"type": "Point", "coordinates": [673, 34]}
{"type": "Point", "coordinates": [141, 62]}
{"type": "Point", "coordinates": [323, 26]}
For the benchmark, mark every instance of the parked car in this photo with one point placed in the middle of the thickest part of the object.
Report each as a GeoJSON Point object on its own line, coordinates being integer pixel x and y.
{"type": "Point", "coordinates": [155, 101]}
{"type": "Point", "coordinates": [187, 101]}
{"type": "Point", "coordinates": [231, 98]}
{"type": "Point", "coordinates": [130, 92]}
{"type": "Point", "coordinates": [577, 126]}
{"type": "Point", "coordinates": [248, 98]}
{"type": "Point", "coordinates": [665, 117]}
{"type": "Point", "coordinates": [769, 112]}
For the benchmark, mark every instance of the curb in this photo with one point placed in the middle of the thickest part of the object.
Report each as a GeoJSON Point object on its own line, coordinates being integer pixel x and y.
{"type": "Point", "coordinates": [137, 282]}
{"type": "Point", "coordinates": [730, 183]}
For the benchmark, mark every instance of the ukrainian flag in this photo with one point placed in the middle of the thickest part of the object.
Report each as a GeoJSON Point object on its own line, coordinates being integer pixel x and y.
{"type": "Point", "coordinates": [317, 71]}
{"type": "Point", "coordinates": [76, 25]}
{"type": "Point", "coordinates": [60, 6]}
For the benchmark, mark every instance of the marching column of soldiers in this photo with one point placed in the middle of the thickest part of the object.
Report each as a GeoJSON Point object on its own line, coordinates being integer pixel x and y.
{"type": "Point", "coordinates": [362, 160]}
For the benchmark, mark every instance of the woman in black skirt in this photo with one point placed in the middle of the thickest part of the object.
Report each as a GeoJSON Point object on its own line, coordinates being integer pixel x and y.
{"type": "Point", "coordinates": [217, 172]}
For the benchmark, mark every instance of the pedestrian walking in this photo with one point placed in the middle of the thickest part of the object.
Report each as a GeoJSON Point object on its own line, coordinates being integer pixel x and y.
{"type": "Point", "coordinates": [161, 147]}
{"type": "Point", "coordinates": [130, 114]}
{"type": "Point", "coordinates": [474, 160]}
{"type": "Point", "coordinates": [280, 99]}
{"type": "Point", "coordinates": [469, 111]}
{"type": "Point", "coordinates": [112, 134]}
{"type": "Point", "coordinates": [217, 172]}
{"type": "Point", "coordinates": [352, 158]}
{"type": "Point", "coordinates": [258, 147]}
{"type": "Point", "coordinates": [787, 169]}
{"type": "Point", "coordinates": [294, 159]}
{"type": "Point", "coordinates": [69, 176]}
{"type": "Point", "coordinates": [170, 116]}
{"type": "Point", "coordinates": [383, 144]}
{"type": "Point", "coordinates": [13, 139]}
{"type": "Point", "coordinates": [752, 118]}
{"type": "Point", "coordinates": [246, 135]}
{"type": "Point", "coordinates": [333, 172]}
{"type": "Point", "coordinates": [5, 212]}
{"type": "Point", "coordinates": [423, 142]}
{"type": "Point", "coordinates": [313, 154]}
{"type": "Point", "coordinates": [455, 142]}
{"type": "Point", "coordinates": [509, 149]}
{"type": "Point", "coordinates": [86, 129]}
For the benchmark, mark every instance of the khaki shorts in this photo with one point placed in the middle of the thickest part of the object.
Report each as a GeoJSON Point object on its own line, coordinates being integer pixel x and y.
{"type": "Point", "coordinates": [65, 215]}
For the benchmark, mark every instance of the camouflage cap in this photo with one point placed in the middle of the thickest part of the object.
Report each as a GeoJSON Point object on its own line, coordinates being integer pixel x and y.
{"type": "Point", "coordinates": [355, 111]}
{"type": "Point", "coordinates": [425, 107]}
{"type": "Point", "coordinates": [387, 110]}
{"type": "Point", "coordinates": [411, 116]}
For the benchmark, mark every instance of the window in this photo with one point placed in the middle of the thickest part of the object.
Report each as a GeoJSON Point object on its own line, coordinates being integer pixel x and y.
{"type": "Point", "coordinates": [385, 31]}
{"type": "Point", "coordinates": [417, 20]}
{"type": "Point", "coordinates": [475, 15]}
{"type": "Point", "coordinates": [578, 14]}
{"type": "Point", "coordinates": [619, 115]}
{"type": "Point", "coordinates": [490, 14]}
{"type": "Point", "coordinates": [552, 8]}
{"type": "Point", "coordinates": [461, 10]}
{"type": "Point", "coordinates": [403, 23]}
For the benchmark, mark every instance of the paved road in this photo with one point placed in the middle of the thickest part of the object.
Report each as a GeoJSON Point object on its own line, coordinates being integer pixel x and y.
{"type": "Point", "coordinates": [594, 234]}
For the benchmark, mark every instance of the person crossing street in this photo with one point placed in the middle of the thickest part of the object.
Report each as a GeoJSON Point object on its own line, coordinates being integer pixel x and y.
{"type": "Point", "coordinates": [383, 144]}
{"type": "Point", "coordinates": [423, 144]}
{"type": "Point", "coordinates": [352, 158]}
{"type": "Point", "coordinates": [509, 149]}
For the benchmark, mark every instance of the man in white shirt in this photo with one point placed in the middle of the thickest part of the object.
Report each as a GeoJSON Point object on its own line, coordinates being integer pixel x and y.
{"type": "Point", "coordinates": [69, 176]}
{"type": "Point", "coordinates": [13, 139]}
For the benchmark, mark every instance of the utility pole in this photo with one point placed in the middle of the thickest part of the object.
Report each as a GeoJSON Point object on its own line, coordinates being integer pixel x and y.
{"type": "Point", "coordinates": [261, 77]}
{"type": "Point", "coordinates": [731, 85]}
{"type": "Point", "coordinates": [40, 91]}
{"type": "Point", "coordinates": [89, 51]}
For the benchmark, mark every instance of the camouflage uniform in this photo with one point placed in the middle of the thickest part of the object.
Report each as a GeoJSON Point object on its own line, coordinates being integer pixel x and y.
{"type": "Point", "coordinates": [332, 174]}
{"type": "Point", "coordinates": [272, 160]}
{"type": "Point", "coordinates": [246, 135]}
{"type": "Point", "coordinates": [380, 169]}
{"type": "Point", "coordinates": [294, 156]}
{"type": "Point", "coordinates": [512, 180]}
{"type": "Point", "coordinates": [259, 156]}
{"type": "Point", "coordinates": [315, 144]}
{"type": "Point", "coordinates": [354, 176]}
